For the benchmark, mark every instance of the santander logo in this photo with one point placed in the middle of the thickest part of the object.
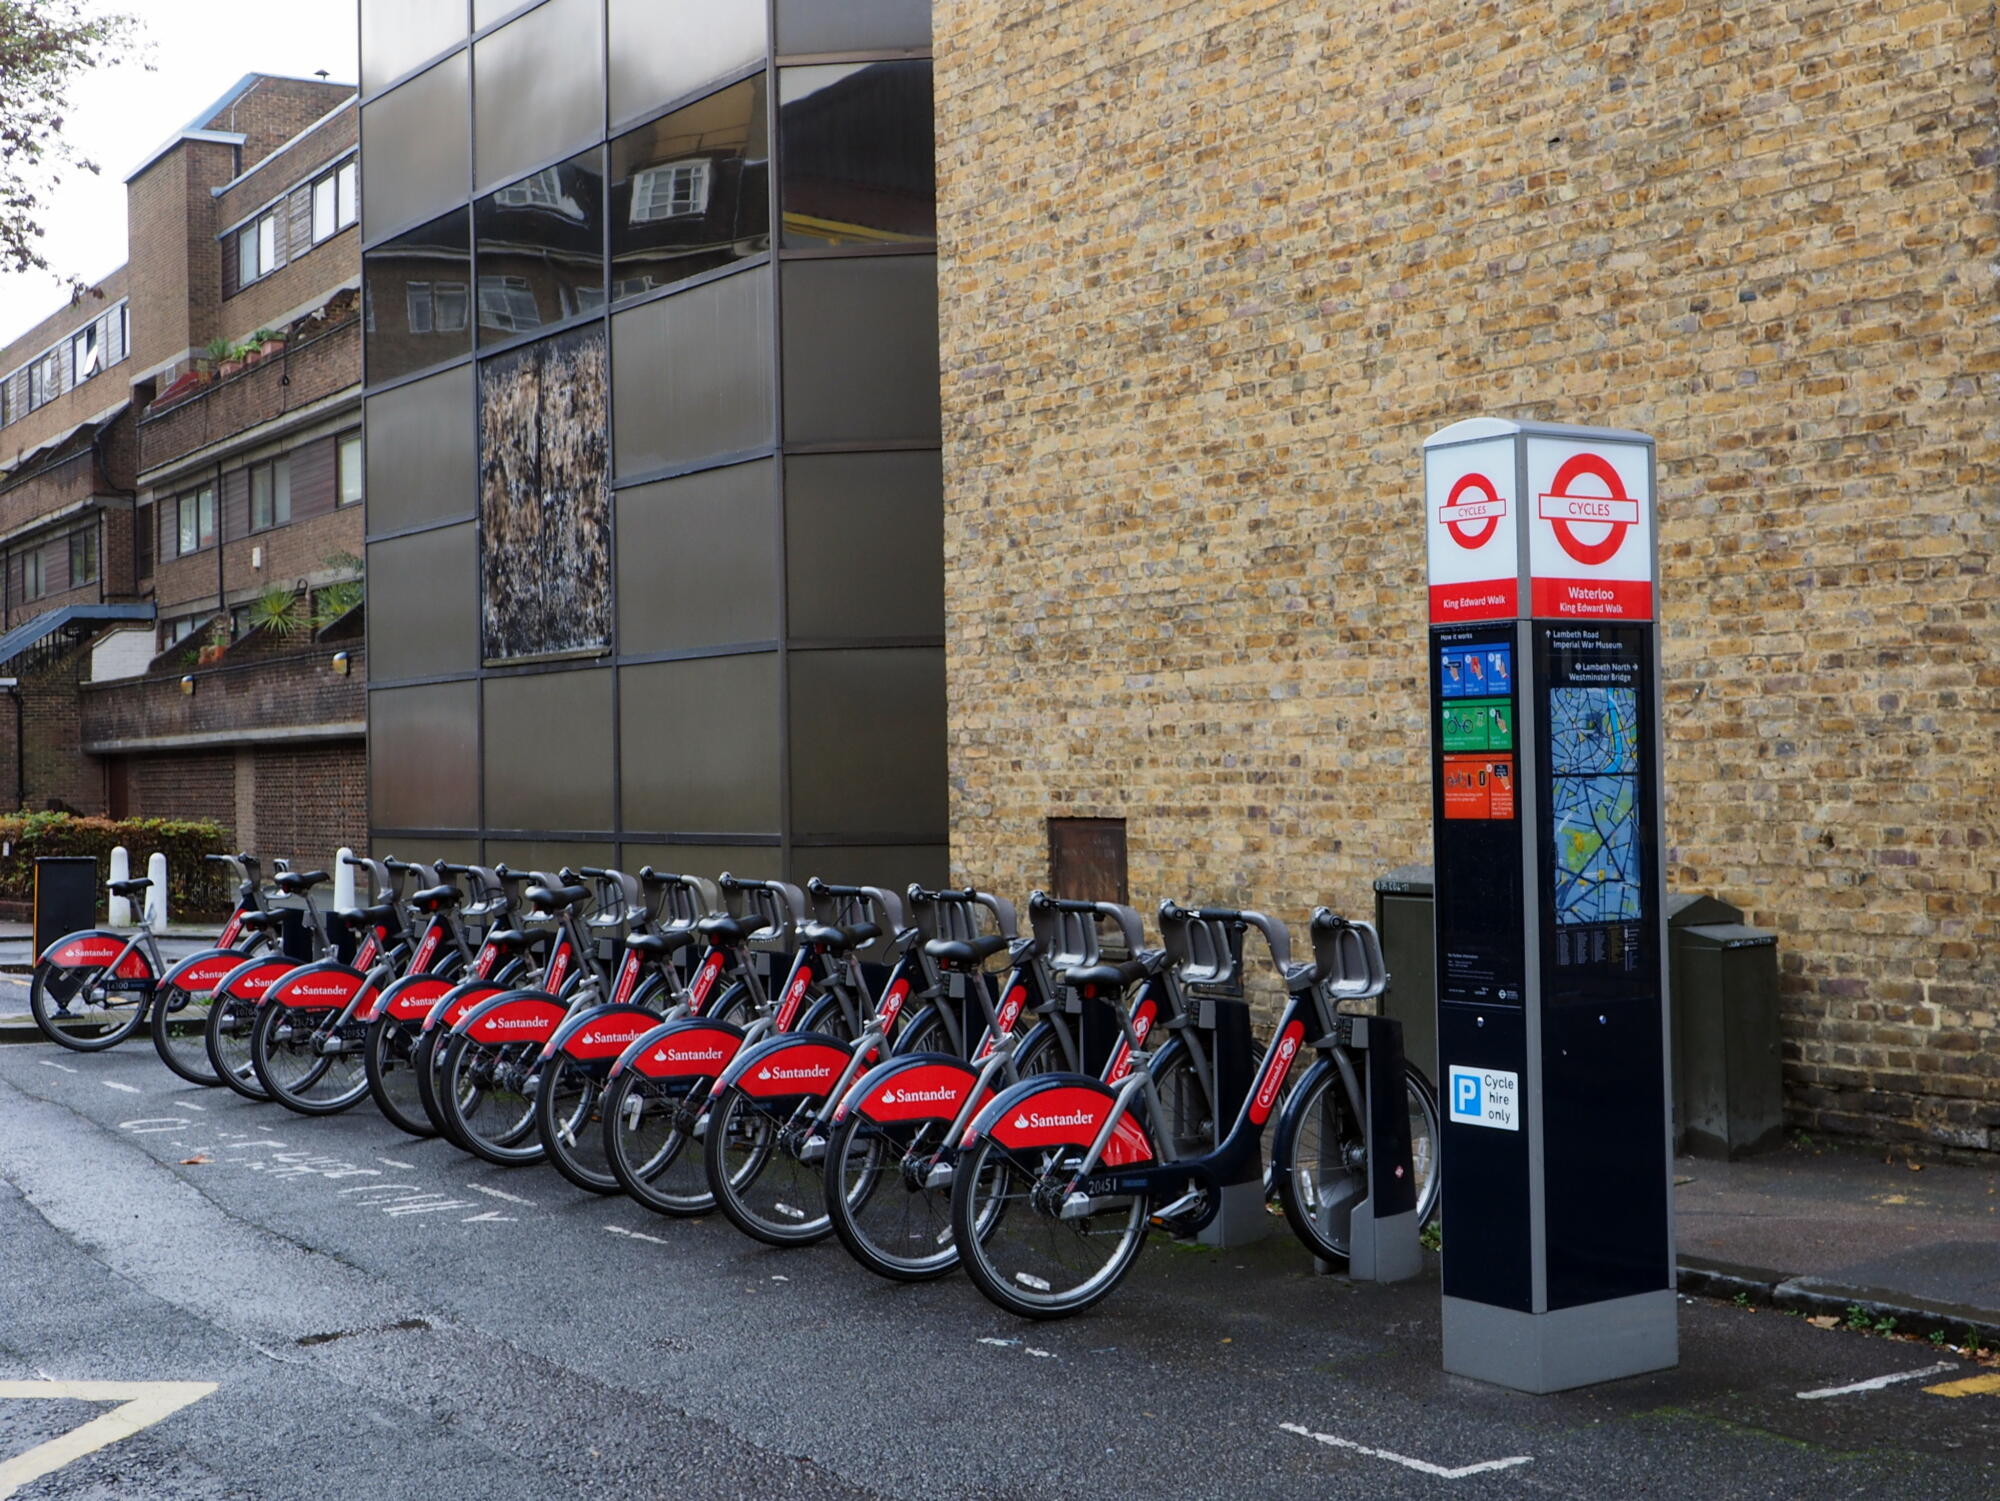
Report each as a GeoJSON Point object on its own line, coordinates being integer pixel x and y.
{"type": "Point", "coordinates": [711, 1055]}
{"type": "Point", "coordinates": [327, 992]}
{"type": "Point", "coordinates": [1028, 1121]}
{"type": "Point", "coordinates": [514, 1023]}
{"type": "Point", "coordinates": [778, 1071]}
{"type": "Point", "coordinates": [1274, 1076]}
{"type": "Point", "coordinates": [938, 1096]}
{"type": "Point", "coordinates": [710, 968]}
{"type": "Point", "coordinates": [590, 1039]}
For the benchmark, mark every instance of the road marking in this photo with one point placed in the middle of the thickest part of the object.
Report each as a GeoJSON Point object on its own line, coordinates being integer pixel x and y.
{"type": "Point", "coordinates": [480, 1188]}
{"type": "Point", "coordinates": [1971, 1386]}
{"type": "Point", "coordinates": [408, 1167]}
{"type": "Point", "coordinates": [122, 1088]}
{"type": "Point", "coordinates": [1876, 1383]}
{"type": "Point", "coordinates": [154, 1125]}
{"type": "Point", "coordinates": [51, 1063]}
{"type": "Point", "coordinates": [491, 1216]}
{"type": "Point", "coordinates": [635, 1235]}
{"type": "Point", "coordinates": [189, 1105]}
{"type": "Point", "coordinates": [144, 1403]}
{"type": "Point", "coordinates": [1421, 1466]}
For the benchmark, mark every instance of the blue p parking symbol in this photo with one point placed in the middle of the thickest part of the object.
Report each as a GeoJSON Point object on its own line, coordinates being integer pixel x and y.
{"type": "Point", "coordinates": [1465, 1095]}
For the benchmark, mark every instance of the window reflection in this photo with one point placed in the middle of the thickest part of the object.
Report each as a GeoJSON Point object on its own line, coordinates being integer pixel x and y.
{"type": "Point", "coordinates": [690, 191]}
{"type": "Point", "coordinates": [416, 295]}
{"type": "Point", "coordinates": [858, 154]}
{"type": "Point", "coordinates": [663, 50]}
{"type": "Point", "coordinates": [541, 248]}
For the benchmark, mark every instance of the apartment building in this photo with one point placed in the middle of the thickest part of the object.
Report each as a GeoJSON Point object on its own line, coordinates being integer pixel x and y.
{"type": "Point", "coordinates": [181, 493]}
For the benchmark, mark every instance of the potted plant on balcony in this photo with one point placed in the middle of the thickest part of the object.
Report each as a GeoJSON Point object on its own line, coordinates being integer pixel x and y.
{"type": "Point", "coordinates": [216, 644]}
{"type": "Point", "coordinates": [217, 350]}
{"type": "Point", "coordinates": [230, 363]}
{"type": "Point", "coordinates": [271, 341]}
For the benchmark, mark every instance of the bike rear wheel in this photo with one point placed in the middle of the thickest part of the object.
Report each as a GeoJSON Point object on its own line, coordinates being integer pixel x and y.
{"type": "Point", "coordinates": [653, 1142]}
{"type": "Point", "coordinates": [227, 1039]}
{"type": "Point", "coordinates": [290, 1049]}
{"type": "Point", "coordinates": [879, 1205]}
{"type": "Point", "coordinates": [486, 1094]}
{"type": "Point", "coordinates": [569, 1122]}
{"type": "Point", "coordinates": [1017, 1249]}
{"type": "Point", "coordinates": [390, 1064]}
{"type": "Point", "coordinates": [1324, 1166]}
{"type": "Point", "coordinates": [87, 1008]}
{"type": "Point", "coordinates": [179, 1025]}
{"type": "Point", "coordinates": [759, 1180]}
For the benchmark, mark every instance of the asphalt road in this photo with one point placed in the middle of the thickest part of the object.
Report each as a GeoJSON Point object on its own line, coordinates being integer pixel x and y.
{"type": "Point", "coordinates": [383, 1316]}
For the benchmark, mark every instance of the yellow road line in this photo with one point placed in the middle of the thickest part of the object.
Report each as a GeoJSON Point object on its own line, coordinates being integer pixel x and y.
{"type": "Point", "coordinates": [144, 1403]}
{"type": "Point", "coordinates": [1971, 1386]}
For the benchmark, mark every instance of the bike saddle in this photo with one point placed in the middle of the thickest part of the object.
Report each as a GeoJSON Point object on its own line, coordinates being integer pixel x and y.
{"type": "Point", "coordinates": [126, 888]}
{"type": "Point", "coordinates": [555, 898]}
{"type": "Point", "coordinates": [513, 940]}
{"type": "Point", "coordinates": [255, 922]}
{"type": "Point", "coordinates": [1107, 976]}
{"type": "Point", "coordinates": [966, 953]}
{"type": "Point", "coordinates": [433, 898]}
{"type": "Point", "coordinates": [659, 945]}
{"type": "Point", "coordinates": [295, 881]}
{"type": "Point", "coordinates": [364, 917]}
{"type": "Point", "coordinates": [729, 931]}
{"type": "Point", "coordinates": [826, 935]}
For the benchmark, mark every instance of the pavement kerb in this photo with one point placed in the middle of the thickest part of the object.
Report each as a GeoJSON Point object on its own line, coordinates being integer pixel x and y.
{"type": "Point", "coordinates": [1814, 1296]}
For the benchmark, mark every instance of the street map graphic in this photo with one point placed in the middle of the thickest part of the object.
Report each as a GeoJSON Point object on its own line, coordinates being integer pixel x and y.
{"type": "Point", "coordinates": [1595, 754]}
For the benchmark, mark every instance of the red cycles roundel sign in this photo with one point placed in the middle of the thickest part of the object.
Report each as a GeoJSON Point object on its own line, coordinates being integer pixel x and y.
{"type": "Point", "coordinates": [1473, 510]}
{"type": "Point", "coordinates": [1473, 530]}
{"type": "Point", "coordinates": [1590, 532]}
{"type": "Point", "coordinates": [1569, 505]}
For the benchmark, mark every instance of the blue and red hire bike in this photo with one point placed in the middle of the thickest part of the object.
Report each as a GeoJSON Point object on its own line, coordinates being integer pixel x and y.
{"type": "Point", "coordinates": [1060, 1177]}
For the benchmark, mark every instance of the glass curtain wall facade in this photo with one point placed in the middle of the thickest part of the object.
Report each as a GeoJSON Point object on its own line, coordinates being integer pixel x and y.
{"type": "Point", "coordinates": [655, 522]}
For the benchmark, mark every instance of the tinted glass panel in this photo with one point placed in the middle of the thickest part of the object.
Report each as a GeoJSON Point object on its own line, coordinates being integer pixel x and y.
{"type": "Point", "coordinates": [852, 25]}
{"type": "Point", "coordinates": [892, 866]}
{"type": "Point", "coordinates": [867, 731]}
{"type": "Point", "coordinates": [864, 545]}
{"type": "Point", "coordinates": [423, 607]}
{"type": "Point", "coordinates": [541, 248]}
{"type": "Point", "coordinates": [420, 464]}
{"type": "Point", "coordinates": [663, 50]}
{"type": "Point", "coordinates": [753, 862]}
{"type": "Point", "coordinates": [546, 855]}
{"type": "Point", "coordinates": [860, 167]}
{"type": "Point", "coordinates": [458, 851]}
{"type": "Point", "coordinates": [700, 745]}
{"type": "Point", "coordinates": [540, 82]}
{"type": "Point", "coordinates": [396, 35]}
{"type": "Point", "coordinates": [423, 757]}
{"type": "Point", "coordinates": [416, 142]}
{"type": "Point", "coordinates": [691, 191]}
{"type": "Point", "coordinates": [861, 349]}
{"type": "Point", "coordinates": [486, 12]}
{"type": "Point", "coordinates": [418, 295]}
{"type": "Point", "coordinates": [548, 751]}
{"type": "Point", "coordinates": [692, 374]}
{"type": "Point", "coordinates": [698, 560]}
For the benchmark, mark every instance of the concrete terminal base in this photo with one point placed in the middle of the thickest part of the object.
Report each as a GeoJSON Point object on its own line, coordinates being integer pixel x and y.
{"type": "Point", "coordinates": [1569, 1347]}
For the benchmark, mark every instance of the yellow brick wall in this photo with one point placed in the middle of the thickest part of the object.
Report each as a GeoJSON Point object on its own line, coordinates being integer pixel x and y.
{"type": "Point", "coordinates": [1209, 273]}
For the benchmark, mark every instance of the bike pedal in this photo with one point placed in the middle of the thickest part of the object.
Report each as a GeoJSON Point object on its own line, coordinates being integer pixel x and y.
{"type": "Point", "coordinates": [1185, 1206]}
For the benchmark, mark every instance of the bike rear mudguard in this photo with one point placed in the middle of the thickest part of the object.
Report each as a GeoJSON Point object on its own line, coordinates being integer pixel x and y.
{"type": "Point", "coordinates": [513, 1016]}
{"type": "Point", "coordinates": [602, 1032]}
{"type": "Point", "coordinates": [325, 985]}
{"type": "Point", "coordinates": [97, 946]}
{"type": "Point", "coordinates": [200, 973]}
{"type": "Point", "coordinates": [692, 1048]}
{"type": "Point", "coordinates": [409, 999]}
{"type": "Point", "coordinates": [793, 1063]}
{"type": "Point", "coordinates": [253, 978]}
{"type": "Point", "coordinates": [449, 1009]}
{"type": "Point", "coordinates": [912, 1087]}
{"type": "Point", "coordinates": [1051, 1110]}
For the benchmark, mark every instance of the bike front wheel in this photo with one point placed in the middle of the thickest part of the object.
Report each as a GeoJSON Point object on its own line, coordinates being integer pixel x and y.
{"type": "Point", "coordinates": [231, 1020]}
{"type": "Point", "coordinates": [179, 1025]}
{"type": "Point", "coordinates": [569, 1122]}
{"type": "Point", "coordinates": [755, 1169]}
{"type": "Point", "coordinates": [1019, 1250]}
{"type": "Point", "coordinates": [1323, 1172]}
{"type": "Point", "coordinates": [310, 1062]}
{"type": "Point", "coordinates": [390, 1064]}
{"type": "Point", "coordinates": [653, 1131]}
{"type": "Point", "coordinates": [487, 1096]}
{"type": "Point", "coordinates": [86, 1008]}
{"type": "Point", "coordinates": [878, 1197]}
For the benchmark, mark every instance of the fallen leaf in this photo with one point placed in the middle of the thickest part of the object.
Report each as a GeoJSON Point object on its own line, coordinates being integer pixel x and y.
{"type": "Point", "coordinates": [193, 1161]}
{"type": "Point", "coordinates": [1915, 1167]}
{"type": "Point", "coordinates": [1824, 1321]}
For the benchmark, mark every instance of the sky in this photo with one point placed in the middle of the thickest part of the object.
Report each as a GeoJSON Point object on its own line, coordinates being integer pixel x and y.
{"type": "Point", "coordinates": [120, 116]}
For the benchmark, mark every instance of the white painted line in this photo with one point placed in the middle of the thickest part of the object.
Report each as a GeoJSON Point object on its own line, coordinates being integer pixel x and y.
{"type": "Point", "coordinates": [144, 1404]}
{"type": "Point", "coordinates": [408, 1167]}
{"type": "Point", "coordinates": [1876, 1383]}
{"type": "Point", "coordinates": [418, 1206]}
{"type": "Point", "coordinates": [189, 1105]}
{"type": "Point", "coordinates": [480, 1188]}
{"type": "Point", "coordinates": [123, 1088]}
{"type": "Point", "coordinates": [492, 1216]}
{"type": "Point", "coordinates": [51, 1063]}
{"type": "Point", "coordinates": [1421, 1466]}
{"type": "Point", "coordinates": [635, 1235]}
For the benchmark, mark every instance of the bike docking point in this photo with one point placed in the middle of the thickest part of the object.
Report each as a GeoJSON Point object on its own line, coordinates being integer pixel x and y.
{"type": "Point", "coordinates": [1548, 837]}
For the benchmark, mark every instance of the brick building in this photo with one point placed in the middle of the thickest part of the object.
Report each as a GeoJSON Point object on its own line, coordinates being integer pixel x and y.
{"type": "Point", "coordinates": [1209, 274]}
{"type": "Point", "coordinates": [180, 488]}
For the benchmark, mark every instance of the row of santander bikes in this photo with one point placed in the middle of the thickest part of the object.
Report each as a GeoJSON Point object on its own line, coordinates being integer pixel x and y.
{"type": "Point", "coordinates": [910, 1074]}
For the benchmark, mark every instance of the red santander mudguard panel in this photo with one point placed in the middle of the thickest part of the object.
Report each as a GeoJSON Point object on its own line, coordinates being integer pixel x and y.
{"type": "Point", "coordinates": [699, 1050]}
{"type": "Point", "coordinates": [203, 972]}
{"type": "Point", "coordinates": [802, 1068]}
{"type": "Point", "coordinates": [1071, 1115]}
{"type": "Point", "coordinates": [251, 982]}
{"type": "Point", "coordinates": [529, 1019]}
{"type": "Point", "coordinates": [927, 1091]}
{"type": "Point", "coordinates": [410, 999]}
{"type": "Point", "coordinates": [465, 998]}
{"type": "Point", "coordinates": [320, 988]}
{"type": "Point", "coordinates": [609, 1036]}
{"type": "Point", "coordinates": [99, 948]}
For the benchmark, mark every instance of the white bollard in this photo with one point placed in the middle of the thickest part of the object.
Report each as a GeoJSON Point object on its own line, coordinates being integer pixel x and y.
{"type": "Point", "coordinates": [343, 882]}
{"type": "Point", "coordinates": [120, 914]}
{"type": "Point", "coordinates": [156, 894]}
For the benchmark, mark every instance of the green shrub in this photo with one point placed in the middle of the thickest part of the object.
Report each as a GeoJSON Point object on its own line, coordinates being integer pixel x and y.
{"type": "Point", "coordinates": [195, 888]}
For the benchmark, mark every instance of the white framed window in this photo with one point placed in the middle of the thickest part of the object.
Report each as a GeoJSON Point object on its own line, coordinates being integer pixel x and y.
{"type": "Point", "coordinates": [45, 380]}
{"type": "Point", "coordinates": [195, 520]}
{"type": "Point", "coordinates": [541, 190]}
{"type": "Point", "coordinates": [672, 190]}
{"type": "Point", "coordinates": [257, 250]}
{"type": "Point", "coordinates": [451, 300]}
{"type": "Point", "coordinates": [270, 494]}
{"type": "Point", "coordinates": [34, 575]}
{"type": "Point", "coordinates": [326, 211]}
{"type": "Point", "coordinates": [86, 352]}
{"type": "Point", "coordinates": [177, 631]}
{"type": "Point", "coordinates": [506, 303]}
{"type": "Point", "coordinates": [82, 558]}
{"type": "Point", "coordinates": [267, 244]}
{"type": "Point", "coordinates": [347, 194]}
{"type": "Point", "coordinates": [246, 256]}
{"type": "Point", "coordinates": [417, 304]}
{"type": "Point", "coordinates": [349, 470]}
